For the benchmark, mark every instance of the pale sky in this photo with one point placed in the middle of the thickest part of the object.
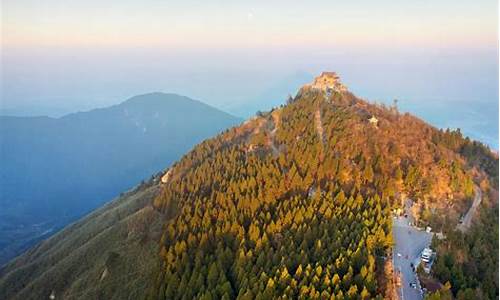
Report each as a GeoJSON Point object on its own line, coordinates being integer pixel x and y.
{"type": "Point", "coordinates": [59, 56]}
{"type": "Point", "coordinates": [180, 24]}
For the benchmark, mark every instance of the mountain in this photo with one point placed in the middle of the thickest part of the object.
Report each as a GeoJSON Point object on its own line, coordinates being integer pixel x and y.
{"type": "Point", "coordinates": [54, 170]}
{"type": "Point", "coordinates": [294, 203]}
{"type": "Point", "coordinates": [112, 251]}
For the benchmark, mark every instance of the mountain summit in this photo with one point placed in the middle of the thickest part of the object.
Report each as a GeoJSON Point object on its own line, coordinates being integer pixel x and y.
{"type": "Point", "coordinates": [327, 82]}
{"type": "Point", "coordinates": [295, 203]}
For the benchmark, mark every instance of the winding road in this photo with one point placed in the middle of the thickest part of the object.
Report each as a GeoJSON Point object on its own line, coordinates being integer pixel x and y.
{"type": "Point", "coordinates": [467, 220]}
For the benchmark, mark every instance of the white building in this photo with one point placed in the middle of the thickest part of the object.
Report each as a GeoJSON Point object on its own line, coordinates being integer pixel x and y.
{"type": "Point", "coordinates": [373, 120]}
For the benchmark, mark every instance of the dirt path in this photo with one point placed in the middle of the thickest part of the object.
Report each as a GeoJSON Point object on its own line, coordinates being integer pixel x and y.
{"type": "Point", "coordinates": [467, 221]}
{"type": "Point", "coordinates": [260, 124]}
{"type": "Point", "coordinates": [319, 125]}
{"type": "Point", "coordinates": [277, 121]}
{"type": "Point", "coordinates": [273, 146]}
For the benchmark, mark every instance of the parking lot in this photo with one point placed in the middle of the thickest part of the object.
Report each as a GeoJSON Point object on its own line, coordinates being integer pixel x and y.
{"type": "Point", "coordinates": [409, 243]}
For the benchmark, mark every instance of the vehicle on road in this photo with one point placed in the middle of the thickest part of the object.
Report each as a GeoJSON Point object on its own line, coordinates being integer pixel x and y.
{"type": "Point", "coordinates": [426, 255]}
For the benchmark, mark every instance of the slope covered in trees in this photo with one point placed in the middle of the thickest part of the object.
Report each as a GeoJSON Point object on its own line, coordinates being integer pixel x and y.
{"type": "Point", "coordinates": [292, 211]}
{"type": "Point", "coordinates": [468, 261]}
{"type": "Point", "coordinates": [293, 204]}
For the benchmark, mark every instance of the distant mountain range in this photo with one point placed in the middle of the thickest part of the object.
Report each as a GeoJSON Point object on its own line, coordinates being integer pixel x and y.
{"type": "Point", "coordinates": [54, 170]}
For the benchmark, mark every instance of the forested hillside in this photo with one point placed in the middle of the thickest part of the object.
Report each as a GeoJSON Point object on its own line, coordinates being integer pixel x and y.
{"type": "Point", "coordinates": [468, 260]}
{"type": "Point", "coordinates": [296, 203]}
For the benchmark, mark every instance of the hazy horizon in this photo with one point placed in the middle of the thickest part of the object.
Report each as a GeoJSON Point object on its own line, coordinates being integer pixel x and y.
{"type": "Point", "coordinates": [60, 57]}
{"type": "Point", "coordinates": [281, 180]}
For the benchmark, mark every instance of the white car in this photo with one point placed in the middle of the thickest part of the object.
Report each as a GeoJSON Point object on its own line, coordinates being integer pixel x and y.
{"type": "Point", "coordinates": [399, 255]}
{"type": "Point", "coordinates": [426, 255]}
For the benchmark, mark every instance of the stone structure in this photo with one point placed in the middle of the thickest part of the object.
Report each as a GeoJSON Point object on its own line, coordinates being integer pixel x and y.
{"type": "Point", "coordinates": [327, 82]}
{"type": "Point", "coordinates": [166, 177]}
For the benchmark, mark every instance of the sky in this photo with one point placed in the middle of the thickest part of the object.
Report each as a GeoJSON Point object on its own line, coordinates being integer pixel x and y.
{"type": "Point", "coordinates": [60, 56]}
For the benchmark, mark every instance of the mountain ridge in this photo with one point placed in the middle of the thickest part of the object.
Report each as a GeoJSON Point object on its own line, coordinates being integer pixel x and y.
{"type": "Point", "coordinates": [293, 203]}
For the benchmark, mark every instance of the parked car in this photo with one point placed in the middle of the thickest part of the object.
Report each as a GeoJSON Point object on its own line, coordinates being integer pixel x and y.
{"type": "Point", "coordinates": [426, 255]}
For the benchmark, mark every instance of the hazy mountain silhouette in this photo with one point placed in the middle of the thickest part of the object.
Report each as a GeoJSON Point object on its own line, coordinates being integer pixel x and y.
{"type": "Point", "coordinates": [56, 169]}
